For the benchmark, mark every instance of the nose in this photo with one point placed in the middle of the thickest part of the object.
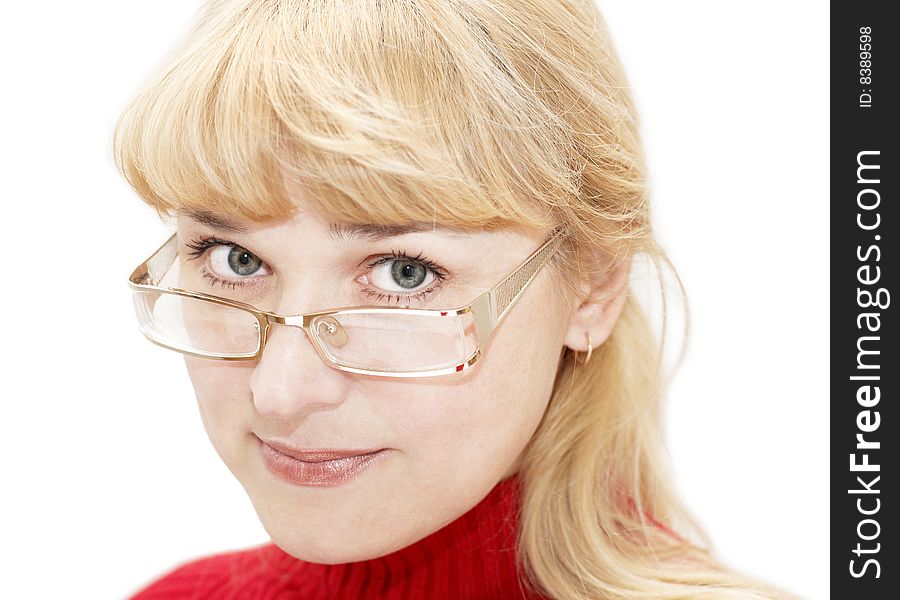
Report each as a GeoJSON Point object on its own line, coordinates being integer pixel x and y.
{"type": "Point", "coordinates": [290, 380]}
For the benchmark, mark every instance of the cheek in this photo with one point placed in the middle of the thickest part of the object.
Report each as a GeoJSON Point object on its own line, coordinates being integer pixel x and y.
{"type": "Point", "coordinates": [223, 394]}
{"type": "Point", "coordinates": [479, 422]}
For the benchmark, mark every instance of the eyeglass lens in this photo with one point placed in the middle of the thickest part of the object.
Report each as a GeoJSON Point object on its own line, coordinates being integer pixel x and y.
{"type": "Point", "coordinates": [376, 341]}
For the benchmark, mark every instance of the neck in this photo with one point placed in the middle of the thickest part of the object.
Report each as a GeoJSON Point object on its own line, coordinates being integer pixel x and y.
{"type": "Point", "coordinates": [472, 557]}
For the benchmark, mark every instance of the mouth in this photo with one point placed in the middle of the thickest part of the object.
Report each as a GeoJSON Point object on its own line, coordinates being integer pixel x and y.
{"type": "Point", "coordinates": [317, 467]}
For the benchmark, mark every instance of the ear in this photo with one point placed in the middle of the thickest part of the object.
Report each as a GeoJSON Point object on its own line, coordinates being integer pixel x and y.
{"type": "Point", "coordinates": [597, 314]}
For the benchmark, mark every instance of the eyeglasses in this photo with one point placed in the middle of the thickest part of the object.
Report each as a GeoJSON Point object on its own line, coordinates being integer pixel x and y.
{"type": "Point", "coordinates": [369, 340]}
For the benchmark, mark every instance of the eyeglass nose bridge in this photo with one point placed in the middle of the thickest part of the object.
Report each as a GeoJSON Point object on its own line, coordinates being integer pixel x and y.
{"type": "Point", "coordinates": [327, 327]}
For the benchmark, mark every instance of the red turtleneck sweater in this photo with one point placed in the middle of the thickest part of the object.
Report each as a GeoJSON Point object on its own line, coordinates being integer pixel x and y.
{"type": "Point", "coordinates": [471, 558]}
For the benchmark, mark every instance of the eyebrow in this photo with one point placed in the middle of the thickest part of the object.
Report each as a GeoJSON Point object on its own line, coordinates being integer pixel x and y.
{"type": "Point", "coordinates": [215, 221]}
{"type": "Point", "coordinates": [369, 232]}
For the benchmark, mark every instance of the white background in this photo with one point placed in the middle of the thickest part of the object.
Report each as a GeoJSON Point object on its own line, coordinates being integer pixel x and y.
{"type": "Point", "coordinates": [108, 477]}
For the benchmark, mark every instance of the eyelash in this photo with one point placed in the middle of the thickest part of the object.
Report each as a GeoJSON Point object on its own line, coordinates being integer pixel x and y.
{"type": "Point", "coordinates": [199, 246]}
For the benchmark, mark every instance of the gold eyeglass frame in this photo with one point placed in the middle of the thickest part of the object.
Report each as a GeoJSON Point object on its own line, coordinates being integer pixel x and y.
{"type": "Point", "coordinates": [488, 309]}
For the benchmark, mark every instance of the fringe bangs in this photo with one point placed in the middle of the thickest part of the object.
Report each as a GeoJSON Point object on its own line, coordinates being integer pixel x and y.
{"type": "Point", "coordinates": [365, 105]}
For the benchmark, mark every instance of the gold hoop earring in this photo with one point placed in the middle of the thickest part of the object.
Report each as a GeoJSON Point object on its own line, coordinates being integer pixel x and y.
{"type": "Point", "coordinates": [590, 349]}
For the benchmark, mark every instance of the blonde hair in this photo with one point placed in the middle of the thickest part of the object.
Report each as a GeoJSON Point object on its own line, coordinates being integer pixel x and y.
{"type": "Point", "coordinates": [477, 114]}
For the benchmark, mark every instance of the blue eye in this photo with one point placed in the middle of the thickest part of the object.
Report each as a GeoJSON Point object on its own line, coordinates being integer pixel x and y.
{"type": "Point", "coordinates": [398, 273]}
{"type": "Point", "coordinates": [239, 261]}
{"type": "Point", "coordinates": [228, 264]}
{"type": "Point", "coordinates": [408, 274]}
{"type": "Point", "coordinates": [396, 278]}
{"type": "Point", "coordinates": [405, 273]}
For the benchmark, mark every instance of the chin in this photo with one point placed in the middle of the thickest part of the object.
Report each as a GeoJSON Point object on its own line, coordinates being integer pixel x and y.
{"type": "Point", "coordinates": [329, 552]}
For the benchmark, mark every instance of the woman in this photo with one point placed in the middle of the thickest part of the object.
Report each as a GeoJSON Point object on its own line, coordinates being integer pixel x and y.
{"type": "Point", "coordinates": [400, 281]}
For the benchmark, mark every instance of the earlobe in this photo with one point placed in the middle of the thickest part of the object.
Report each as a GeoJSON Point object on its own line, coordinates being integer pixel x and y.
{"type": "Point", "coordinates": [593, 320]}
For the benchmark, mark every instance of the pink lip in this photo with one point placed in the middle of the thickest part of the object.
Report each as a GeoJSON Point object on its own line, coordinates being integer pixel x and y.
{"type": "Point", "coordinates": [319, 467]}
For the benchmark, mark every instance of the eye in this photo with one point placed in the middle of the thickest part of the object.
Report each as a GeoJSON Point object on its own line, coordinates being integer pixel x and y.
{"type": "Point", "coordinates": [400, 276]}
{"type": "Point", "coordinates": [395, 278]}
{"type": "Point", "coordinates": [228, 261]}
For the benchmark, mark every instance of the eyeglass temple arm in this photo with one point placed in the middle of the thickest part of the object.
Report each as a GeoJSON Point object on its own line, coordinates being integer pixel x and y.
{"type": "Point", "coordinates": [492, 306]}
{"type": "Point", "coordinates": [155, 267]}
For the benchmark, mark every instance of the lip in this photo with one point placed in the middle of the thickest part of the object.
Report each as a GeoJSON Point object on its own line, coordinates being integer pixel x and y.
{"type": "Point", "coordinates": [319, 467]}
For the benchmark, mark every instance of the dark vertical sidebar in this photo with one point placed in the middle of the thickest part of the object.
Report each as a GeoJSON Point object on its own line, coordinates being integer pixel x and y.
{"type": "Point", "coordinates": [865, 369]}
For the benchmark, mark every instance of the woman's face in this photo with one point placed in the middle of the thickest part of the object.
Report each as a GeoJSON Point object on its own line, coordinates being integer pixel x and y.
{"type": "Point", "coordinates": [448, 439]}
